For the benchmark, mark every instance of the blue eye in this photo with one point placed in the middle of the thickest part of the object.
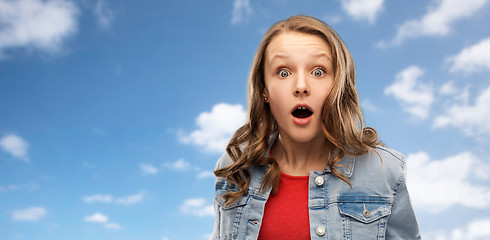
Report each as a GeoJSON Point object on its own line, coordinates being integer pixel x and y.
{"type": "Point", "coordinates": [318, 72]}
{"type": "Point", "coordinates": [284, 73]}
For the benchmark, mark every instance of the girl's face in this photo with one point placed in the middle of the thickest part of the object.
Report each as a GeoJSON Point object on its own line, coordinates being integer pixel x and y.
{"type": "Point", "coordinates": [298, 73]}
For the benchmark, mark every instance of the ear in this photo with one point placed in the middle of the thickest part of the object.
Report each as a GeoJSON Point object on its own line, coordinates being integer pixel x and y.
{"type": "Point", "coordinates": [265, 94]}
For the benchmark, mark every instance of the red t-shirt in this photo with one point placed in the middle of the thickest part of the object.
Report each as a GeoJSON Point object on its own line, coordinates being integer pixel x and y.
{"type": "Point", "coordinates": [286, 213]}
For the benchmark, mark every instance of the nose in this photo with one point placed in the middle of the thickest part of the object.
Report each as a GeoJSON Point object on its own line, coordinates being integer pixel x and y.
{"type": "Point", "coordinates": [301, 92]}
{"type": "Point", "coordinates": [301, 88]}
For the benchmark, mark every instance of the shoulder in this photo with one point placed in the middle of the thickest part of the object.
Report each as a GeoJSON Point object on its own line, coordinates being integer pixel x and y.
{"type": "Point", "coordinates": [223, 161]}
{"type": "Point", "coordinates": [255, 173]}
{"type": "Point", "coordinates": [222, 186]}
{"type": "Point", "coordinates": [391, 154]}
{"type": "Point", "coordinates": [392, 160]}
{"type": "Point", "coordinates": [381, 164]}
{"type": "Point", "coordinates": [383, 157]}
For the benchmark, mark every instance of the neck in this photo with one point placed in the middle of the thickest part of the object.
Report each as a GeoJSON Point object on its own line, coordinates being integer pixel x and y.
{"type": "Point", "coordinates": [299, 158]}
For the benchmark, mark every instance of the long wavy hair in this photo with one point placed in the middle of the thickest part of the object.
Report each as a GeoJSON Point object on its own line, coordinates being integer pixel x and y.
{"type": "Point", "coordinates": [342, 121]}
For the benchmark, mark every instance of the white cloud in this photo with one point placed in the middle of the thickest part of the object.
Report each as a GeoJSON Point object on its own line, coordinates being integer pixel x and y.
{"type": "Point", "coordinates": [455, 94]}
{"type": "Point", "coordinates": [463, 95]}
{"type": "Point", "coordinates": [437, 21]}
{"type": "Point", "coordinates": [97, 217]}
{"type": "Point", "coordinates": [8, 188]}
{"type": "Point", "coordinates": [436, 185]}
{"type": "Point", "coordinates": [29, 214]}
{"type": "Point", "coordinates": [148, 169]}
{"type": "Point", "coordinates": [448, 88]}
{"type": "Point", "coordinates": [205, 174]}
{"type": "Point", "coordinates": [15, 145]}
{"type": "Point", "coordinates": [112, 226]}
{"type": "Point", "coordinates": [216, 127]}
{"type": "Point", "coordinates": [473, 119]}
{"type": "Point", "coordinates": [107, 198]}
{"type": "Point", "coordinates": [131, 199]}
{"type": "Point", "coordinates": [89, 165]}
{"type": "Point", "coordinates": [105, 16]}
{"type": "Point", "coordinates": [12, 187]}
{"type": "Point", "coordinates": [363, 9]}
{"type": "Point", "coordinates": [179, 165]}
{"type": "Point", "coordinates": [367, 105]}
{"type": "Point", "coordinates": [98, 198]}
{"type": "Point", "coordinates": [34, 23]}
{"type": "Point", "coordinates": [330, 19]}
{"type": "Point", "coordinates": [475, 230]}
{"type": "Point", "coordinates": [241, 11]}
{"type": "Point", "coordinates": [102, 219]}
{"type": "Point", "coordinates": [416, 97]}
{"type": "Point", "coordinates": [197, 207]}
{"type": "Point", "coordinates": [207, 236]}
{"type": "Point", "coordinates": [17, 236]}
{"type": "Point", "coordinates": [472, 58]}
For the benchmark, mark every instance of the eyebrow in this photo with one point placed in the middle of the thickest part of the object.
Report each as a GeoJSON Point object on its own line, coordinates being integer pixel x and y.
{"type": "Point", "coordinates": [317, 55]}
{"type": "Point", "coordinates": [278, 56]}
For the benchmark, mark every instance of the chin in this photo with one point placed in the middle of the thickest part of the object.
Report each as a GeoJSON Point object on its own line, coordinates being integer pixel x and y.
{"type": "Point", "coordinates": [303, 135]}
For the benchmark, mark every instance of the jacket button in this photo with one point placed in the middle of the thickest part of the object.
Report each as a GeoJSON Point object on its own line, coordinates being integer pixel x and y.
{"type": "Point", "coordinates": [320, 231]}
{"type": "Point", "coordinates": [366, 213]}
{"type": "Point", "coordinates": [319, 181]}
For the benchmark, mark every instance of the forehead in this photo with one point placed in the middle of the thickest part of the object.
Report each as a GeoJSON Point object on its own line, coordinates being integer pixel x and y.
{"type": "Point", "coordinates": [292, 43]}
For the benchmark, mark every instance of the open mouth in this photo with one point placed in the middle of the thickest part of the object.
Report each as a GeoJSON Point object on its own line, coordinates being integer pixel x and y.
{"type": "Point", "coordinates": [302, 112]}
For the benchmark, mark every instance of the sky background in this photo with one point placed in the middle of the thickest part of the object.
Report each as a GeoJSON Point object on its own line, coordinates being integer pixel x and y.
{"type": "Point", "coordinates": [113, 113]}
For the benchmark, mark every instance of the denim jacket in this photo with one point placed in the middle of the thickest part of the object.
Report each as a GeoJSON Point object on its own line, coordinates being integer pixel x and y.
{"type": "Point", "coordinates": [376, 207]}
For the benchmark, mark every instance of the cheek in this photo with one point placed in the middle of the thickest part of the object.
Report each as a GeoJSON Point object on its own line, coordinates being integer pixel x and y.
{"type": "Point", "coordinates": [278, 102]}
{"type": "Point", "coordinates": [275, 107]}
{"type": "Point", "coordinates": [324, 88]}
{"type": "Point", "coordinates": [278, 91]}
{"type": "Point", "coordinates": [274, 95]}
{"type": "Point", "coordinates": [320, 96]}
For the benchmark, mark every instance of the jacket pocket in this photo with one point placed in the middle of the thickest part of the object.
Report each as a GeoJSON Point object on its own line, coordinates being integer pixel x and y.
{"type": "Point", "coordinates": [364, 217]}
{"type": "Point", "coordinates": [228, 217]}
{"type": "Point", "coordinates": [221, 202]}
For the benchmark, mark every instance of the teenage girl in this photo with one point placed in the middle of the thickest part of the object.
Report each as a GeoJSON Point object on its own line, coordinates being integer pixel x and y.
{"type": "Point", "coordinates": [304, 166]}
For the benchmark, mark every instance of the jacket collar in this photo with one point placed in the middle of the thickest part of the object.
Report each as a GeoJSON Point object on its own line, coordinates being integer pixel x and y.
{"type": "Point", "coordinates": [345, 165]}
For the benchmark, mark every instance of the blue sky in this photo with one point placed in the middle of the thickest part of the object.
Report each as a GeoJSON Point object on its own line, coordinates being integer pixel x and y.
{"type": "Point", "coordinates": [113, 113]}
